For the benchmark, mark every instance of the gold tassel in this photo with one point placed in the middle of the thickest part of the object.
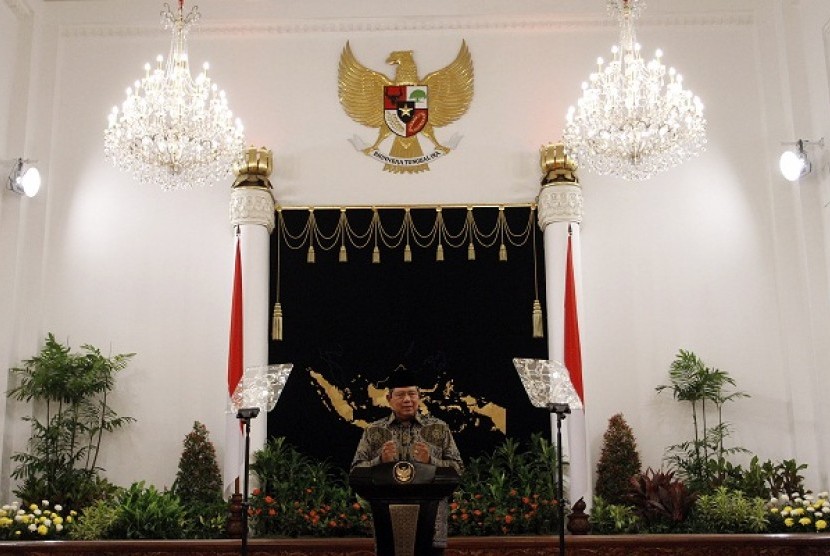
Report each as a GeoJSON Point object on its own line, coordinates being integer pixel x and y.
{"type": "Point", "coordinates": [310, 257]}
{"type": "Point", "coordinates": [502, 253]}
{"type": "Point", "coordinates": [407, 254]}
{"type": "Point", "coordinates": [344, 257]}
{"type": "Point", "coordinates": [439, 253]}
{"type": "Point", "coordinates": [276, 323]}
{"type": "Point", "coordinates": [471, 252]}
{"type": "Point", "coordinates": [376, 255]}
{"type": "Point", "coordinates": [538, 329]}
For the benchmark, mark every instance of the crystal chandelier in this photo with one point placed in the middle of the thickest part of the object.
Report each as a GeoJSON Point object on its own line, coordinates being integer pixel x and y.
{"type": "Point", "coordinates": [634, 119]}
{"type": "Point", "coordinates": [173, 130]}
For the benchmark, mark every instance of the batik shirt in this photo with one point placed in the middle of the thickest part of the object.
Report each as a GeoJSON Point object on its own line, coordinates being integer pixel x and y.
{"type": "Point", "coordinates": [433, 432]}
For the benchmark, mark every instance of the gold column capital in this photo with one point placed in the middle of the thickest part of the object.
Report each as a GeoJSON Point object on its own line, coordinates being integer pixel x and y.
{"type": "Point", "coordinates": [255, 168]}
{"type": "Point", "coordinates": [557, 167]}
{"type": "Point", "coordinates": [560, 199]}
{"type": "Point", "coordinates": [252, 198]}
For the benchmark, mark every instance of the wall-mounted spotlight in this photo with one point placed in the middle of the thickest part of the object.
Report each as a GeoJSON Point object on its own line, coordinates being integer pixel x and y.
{"type": "Point", "coordinates": [794, 164]}
{"type": "Point", "coordinates": [24, 178]}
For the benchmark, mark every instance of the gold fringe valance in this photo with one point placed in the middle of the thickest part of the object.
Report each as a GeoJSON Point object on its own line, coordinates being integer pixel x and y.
{"type": "Point", "coordinates": [402, 228]}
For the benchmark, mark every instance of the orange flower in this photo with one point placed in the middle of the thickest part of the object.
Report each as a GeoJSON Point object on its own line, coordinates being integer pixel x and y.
{"type": "Point", "coordinates": [269, 500]}
{"type": "Point", "coordinates": [356, 506]}
{"type": "Point", "coordinates": [272, 512]}
{"type": "Point", "coordinates": [478, 496]}
{"type": "Point", "coordinates": [332, 524]}
{"type": "Point", "coordinates": [454, 506]}
{"type": "Point", "coordinates": [256, 492]}
{"type": "Point", "coordinates": [477, 512]}
{"type": "Point", "coordinates": [525, 500]}
{"type": "Point", "coordinates": [508, 519]}
{"type": "Point", "coordinates": [513, 492]}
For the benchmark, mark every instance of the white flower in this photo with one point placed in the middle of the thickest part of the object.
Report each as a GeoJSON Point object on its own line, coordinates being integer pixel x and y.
{"type": "Point", "coordinates": [38, 512]}
{"type": "Point", "coordinates": [58, 527]}
{"type": "Point", "coordinates": [808, 497]}
{"type": "Point", "coordinates": [47, 522]}
{"type": "Point", "coordinates": [32, 527]}
{"type": "Point", "coordinates": [58, 507]}
{"type": "Point", "coordinates": [44, 503]}
{"type": "Point", "coordinates": [21, 512]}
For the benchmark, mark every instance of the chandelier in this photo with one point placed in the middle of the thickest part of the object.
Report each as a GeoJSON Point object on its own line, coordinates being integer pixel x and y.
{"type": "Point", "coordinates": [173, 130]}
{"type": "Point", "coordinates": [634, 118]}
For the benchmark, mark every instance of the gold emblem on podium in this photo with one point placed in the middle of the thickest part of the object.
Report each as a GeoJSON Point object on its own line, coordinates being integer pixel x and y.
{"type": "Point", "coordinates": [403, 472]}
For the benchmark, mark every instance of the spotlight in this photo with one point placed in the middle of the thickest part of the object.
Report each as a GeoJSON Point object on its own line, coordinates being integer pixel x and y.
{"type": "Point", "coordinates": [794, 165]}
{"type": "Point", "coordinates": [24, 178]}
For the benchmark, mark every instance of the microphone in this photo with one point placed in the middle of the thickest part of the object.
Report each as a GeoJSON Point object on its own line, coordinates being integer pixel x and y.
{"type": "Point", "coordinates": [406, 441]}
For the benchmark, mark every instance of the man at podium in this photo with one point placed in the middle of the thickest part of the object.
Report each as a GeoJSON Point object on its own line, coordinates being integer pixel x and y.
{"type": "Point", "coordinates": [408, 435]}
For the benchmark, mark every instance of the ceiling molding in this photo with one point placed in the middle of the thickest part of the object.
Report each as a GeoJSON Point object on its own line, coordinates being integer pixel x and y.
{"type": "Point", "coordinates": [371, 25]}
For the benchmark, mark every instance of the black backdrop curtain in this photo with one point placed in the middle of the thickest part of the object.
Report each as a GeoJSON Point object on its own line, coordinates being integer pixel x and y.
{"type": "Point", "coordinates": [458, 322]}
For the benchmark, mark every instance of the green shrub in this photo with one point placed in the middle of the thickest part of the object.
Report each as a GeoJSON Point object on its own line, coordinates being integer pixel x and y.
{"type": "Point", "coordinates": [509, 492]}
{"type": "Point", "coordinates": [703, 461]}
{"type": "Point", "coordinates": [72, 413]}
{"type": "Point", "coordinates": [146, 513]}
{"type": "Point", "coordinates": [300, 496]}
{"type": "Point", "coordinates": [613, 519]}
{"type": "Point", "coordinates": [618, 461]}
{"type": "Point", "coordinates": [97, 521]}
{"type": "Point", "coordinates": [729, 511]}
{"type": "Point", "coordinates": [198, 485]}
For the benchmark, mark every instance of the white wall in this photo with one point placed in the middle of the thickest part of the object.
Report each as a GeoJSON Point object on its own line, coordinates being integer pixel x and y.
{"type": "Point", "coordinates": [720, 255]}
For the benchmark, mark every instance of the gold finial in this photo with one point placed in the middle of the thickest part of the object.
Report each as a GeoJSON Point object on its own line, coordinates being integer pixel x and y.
{"type": "Point", "coordinates": [255, 168]}
{"type": "Point", "coordinates": [557, 167]}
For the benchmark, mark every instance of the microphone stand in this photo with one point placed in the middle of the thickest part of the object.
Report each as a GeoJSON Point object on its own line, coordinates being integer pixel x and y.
{"type": "Point", "coordinates": [245, 415]}
{"type": "Point", "coordinates": [560, 409]}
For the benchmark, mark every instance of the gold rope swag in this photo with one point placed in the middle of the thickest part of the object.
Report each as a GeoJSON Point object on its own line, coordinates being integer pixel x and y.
{"type": "Point", "coordinates": [404, 232]}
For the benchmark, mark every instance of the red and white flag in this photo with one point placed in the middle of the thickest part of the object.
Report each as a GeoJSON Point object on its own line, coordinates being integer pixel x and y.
{"type": "Point", "coordinates": [572, 358]}
{"type": "Point", "coordinates": [573, 349]}
{"type": "Point", "coordinates": [234, 439]}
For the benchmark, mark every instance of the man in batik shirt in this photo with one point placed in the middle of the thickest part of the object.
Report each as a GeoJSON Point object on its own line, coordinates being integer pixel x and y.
{"type": "Point", "coordinates": [407, 435]}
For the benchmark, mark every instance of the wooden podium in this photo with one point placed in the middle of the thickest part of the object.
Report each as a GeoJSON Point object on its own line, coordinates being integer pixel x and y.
{"type": "Point", "coordinates": [404, 498]}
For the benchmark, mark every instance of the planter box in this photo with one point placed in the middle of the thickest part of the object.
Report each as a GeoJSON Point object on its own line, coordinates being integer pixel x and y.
{"type": "Point", "coordinates": [590, 545]}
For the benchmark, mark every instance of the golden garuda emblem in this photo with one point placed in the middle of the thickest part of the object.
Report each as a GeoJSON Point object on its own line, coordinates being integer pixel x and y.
{"type": "Point", "coordinates": [406, 106]}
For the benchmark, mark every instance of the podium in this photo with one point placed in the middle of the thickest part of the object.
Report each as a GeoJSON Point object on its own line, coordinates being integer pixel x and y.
{"type": "Point", "coordinates": [404, 498]}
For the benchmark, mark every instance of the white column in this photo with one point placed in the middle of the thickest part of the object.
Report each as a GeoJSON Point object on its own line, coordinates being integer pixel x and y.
{"type": "Point", "coordinates": [252, 209]}
{"type": "Point", "coordinates": [560, 210]}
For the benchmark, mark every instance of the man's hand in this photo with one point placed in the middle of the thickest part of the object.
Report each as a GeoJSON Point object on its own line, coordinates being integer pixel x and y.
{"type": "Point", "coordinates": [389, 451]}
{"type": "Point", "coordinates": [421, 452]}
